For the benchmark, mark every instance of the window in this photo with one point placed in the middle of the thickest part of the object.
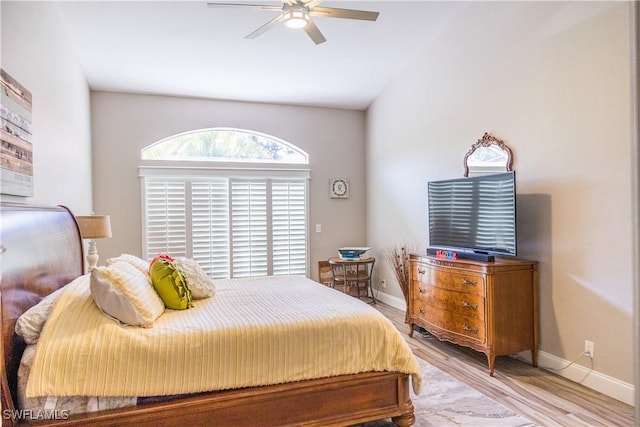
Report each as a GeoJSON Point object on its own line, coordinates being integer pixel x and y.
{"type": "Point", "coordinates": [225, 144]}
{"type": "Point", "coordinates": [234, 221]}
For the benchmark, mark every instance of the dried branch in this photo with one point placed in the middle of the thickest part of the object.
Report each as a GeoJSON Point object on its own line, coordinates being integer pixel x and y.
{"type": "Point", "coordinates": [399, 260]}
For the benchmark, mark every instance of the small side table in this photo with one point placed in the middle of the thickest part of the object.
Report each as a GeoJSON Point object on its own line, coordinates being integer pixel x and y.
{"type": "Point", "coordinates": [353, 276]}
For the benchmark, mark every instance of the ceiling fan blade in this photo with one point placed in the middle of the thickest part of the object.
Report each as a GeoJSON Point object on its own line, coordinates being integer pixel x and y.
{"type": "Point", "coordinates": [314, 33]}
{"type": "Point", "coordinates": [262, 6]}
{"type": "Point", "coordinates": [275, 21]}
{"type": "Point", "coordinates": [333, 12]}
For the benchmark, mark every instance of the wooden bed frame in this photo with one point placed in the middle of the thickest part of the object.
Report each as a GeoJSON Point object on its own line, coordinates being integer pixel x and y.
{"type": "Point", "coordinates": [41, 251]}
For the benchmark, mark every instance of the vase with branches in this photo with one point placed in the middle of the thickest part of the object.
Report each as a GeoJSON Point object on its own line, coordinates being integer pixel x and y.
{"type": "Point", "coordinates": [398, 257]}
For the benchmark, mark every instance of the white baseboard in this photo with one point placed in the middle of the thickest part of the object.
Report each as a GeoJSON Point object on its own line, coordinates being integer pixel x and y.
{"type": "Point", "coordinates": [391, 300]}
{"type": "Point", "coordinates": [605, 384]}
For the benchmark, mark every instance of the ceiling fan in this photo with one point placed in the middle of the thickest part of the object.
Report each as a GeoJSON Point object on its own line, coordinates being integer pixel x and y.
{"type": "Point", "coordinates": [298, 13]}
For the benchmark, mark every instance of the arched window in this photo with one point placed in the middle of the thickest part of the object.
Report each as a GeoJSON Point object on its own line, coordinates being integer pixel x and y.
{"type": "Point", "coordinates": [226, 145]}
{"type": "Point", "coordinates": [235, 219]}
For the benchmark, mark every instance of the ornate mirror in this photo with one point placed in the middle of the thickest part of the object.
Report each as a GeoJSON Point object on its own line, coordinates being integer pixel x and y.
{"type": "Point", "coordinates": [488, 155]}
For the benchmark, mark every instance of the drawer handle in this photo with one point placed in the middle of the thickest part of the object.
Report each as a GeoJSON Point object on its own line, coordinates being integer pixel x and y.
{"type": "Point", "coordinates": [422, 290]}
{"type": "Point", "coordinates": [421, 270]}
{"type": "Point", "coordinates": [469, 282]}
{"type": "Point", "coordinates": [468, 329]}
{"type": "Point", "coordinates": [421, 310]}
{"type": "Point", "coordinates": [467, 305]}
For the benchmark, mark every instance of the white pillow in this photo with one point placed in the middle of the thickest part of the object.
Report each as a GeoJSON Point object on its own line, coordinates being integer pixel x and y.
{"type": "Point", "coordinates": [30, 323]}
{"type": "Point", "coordinates": [198, 281]}
{"type": "Point", "coordinates": [138, 263]}
{"type": "Point", "coordinates": [123, 292]}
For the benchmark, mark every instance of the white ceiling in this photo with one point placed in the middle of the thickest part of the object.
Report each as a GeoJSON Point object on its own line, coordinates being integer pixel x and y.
{"type": "Point", "coordinates": [185, 48]}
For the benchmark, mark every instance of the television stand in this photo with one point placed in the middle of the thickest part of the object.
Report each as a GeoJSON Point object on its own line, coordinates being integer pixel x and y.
{"type": "Point", "coordinates": [491, 307]}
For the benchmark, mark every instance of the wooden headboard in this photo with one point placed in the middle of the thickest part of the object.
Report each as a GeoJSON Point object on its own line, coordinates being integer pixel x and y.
{"type": "Point", "coordinates": [40, 251]}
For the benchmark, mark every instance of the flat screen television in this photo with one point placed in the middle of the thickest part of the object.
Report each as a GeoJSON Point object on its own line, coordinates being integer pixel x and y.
{"type": "Point", "coordinates": [473, 216]}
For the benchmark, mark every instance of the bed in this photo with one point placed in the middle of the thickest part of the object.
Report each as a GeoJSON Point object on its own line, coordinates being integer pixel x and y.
{"type": "Point", "coordinates": [41, 251]}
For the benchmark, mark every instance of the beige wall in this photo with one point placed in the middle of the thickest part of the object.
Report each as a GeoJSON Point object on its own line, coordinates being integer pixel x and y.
{"type": "Point", "coordinates": [553, 81]}
{"type": "Point", "coordinates": [125, 123]}
{"type": "Point", "coordinates": [37, 53]}
{"type": "Point", "coordinates": [635, 110]}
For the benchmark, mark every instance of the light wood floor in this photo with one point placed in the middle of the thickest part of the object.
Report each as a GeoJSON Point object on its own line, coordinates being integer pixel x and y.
{"type": "Point", "coordinates": [544, 398]}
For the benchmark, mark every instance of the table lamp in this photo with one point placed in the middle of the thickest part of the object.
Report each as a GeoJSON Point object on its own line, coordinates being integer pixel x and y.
{"type": "Point", "coordinates": [94, 227]}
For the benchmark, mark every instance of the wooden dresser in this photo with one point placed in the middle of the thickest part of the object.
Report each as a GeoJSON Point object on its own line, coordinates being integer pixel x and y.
{"type": "Point", "coordinates": [491, 307]}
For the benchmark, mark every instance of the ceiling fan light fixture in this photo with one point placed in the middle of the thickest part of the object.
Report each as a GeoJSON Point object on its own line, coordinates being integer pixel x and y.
{"type": "Point", "coordinates": [296, 18]}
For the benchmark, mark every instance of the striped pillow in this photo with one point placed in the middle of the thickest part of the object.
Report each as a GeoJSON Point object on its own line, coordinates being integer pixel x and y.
{"type": "Point", "coordinates": [138, 263]}
{"type": "Point", "coordinates": [123, 292]}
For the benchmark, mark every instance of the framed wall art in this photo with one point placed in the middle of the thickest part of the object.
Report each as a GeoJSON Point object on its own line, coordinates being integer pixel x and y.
{"type": "Point", "coordinates": [16, 156]}
{"type": "Point", "coordinates": [339, 188]}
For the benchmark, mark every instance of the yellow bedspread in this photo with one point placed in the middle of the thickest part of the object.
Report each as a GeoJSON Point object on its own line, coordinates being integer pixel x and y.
{"type": "Point", "coordinates": [252, 332]}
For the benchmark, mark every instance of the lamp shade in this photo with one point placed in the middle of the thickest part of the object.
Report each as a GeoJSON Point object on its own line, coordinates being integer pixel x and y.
{"type": "Point", "coordinates": [94, 226]}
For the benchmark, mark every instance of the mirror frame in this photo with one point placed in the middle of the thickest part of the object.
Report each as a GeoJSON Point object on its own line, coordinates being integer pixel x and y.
{"type": "Point", "coordinates": [486, 141]}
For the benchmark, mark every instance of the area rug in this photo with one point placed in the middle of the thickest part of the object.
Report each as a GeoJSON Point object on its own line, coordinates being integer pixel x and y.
{"type": "Point", "coordinates": [445, 402]}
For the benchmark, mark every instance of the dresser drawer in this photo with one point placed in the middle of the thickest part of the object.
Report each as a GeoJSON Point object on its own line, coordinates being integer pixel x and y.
{"type": "Point", "coordinates": [458, 281]}
{"type": "Point", "coordinates": [466, 304]}
{"type": "Point", "coordinates": [470, 327]}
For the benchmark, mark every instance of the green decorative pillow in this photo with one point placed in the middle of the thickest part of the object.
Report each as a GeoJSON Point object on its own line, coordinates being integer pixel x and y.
{"type": "Point", "coordinates": [170, 284]}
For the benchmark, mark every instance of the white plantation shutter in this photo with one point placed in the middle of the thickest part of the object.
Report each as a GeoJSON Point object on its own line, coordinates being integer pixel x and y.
{"type": "Point", "coordinates": [233, 227]}
{"type": "Point", "coordinates": [210, 226]}
{"type": "Point", "coordinates": [165, 217]}
{"type": "Point", "coordinates": [249, 237]}
{"type": "Point", "coordinates": [289, 227]}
